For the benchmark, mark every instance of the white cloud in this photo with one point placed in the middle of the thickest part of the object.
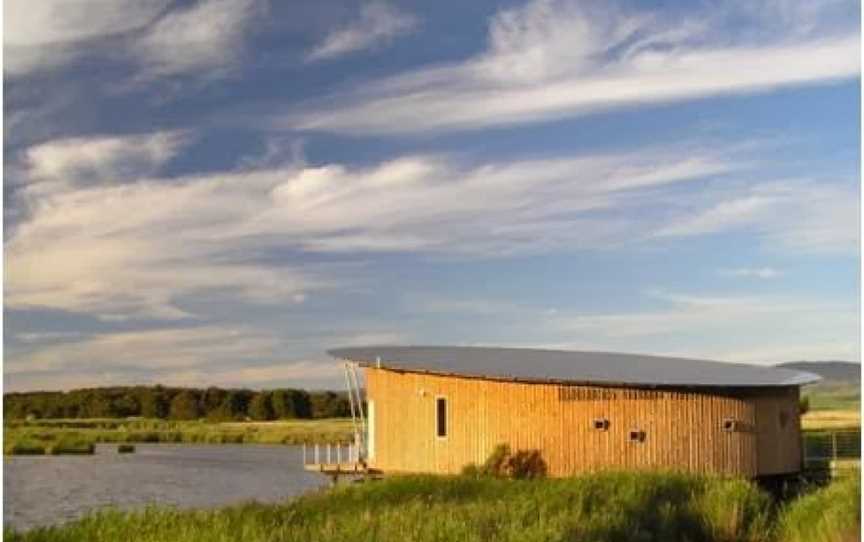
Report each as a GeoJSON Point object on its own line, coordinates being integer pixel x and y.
{"type": "Point", "coordinates": [753, 329]}
{"type": "Point", "coordinates": [132, 249]}
{"type": "Point", "coordinates": [749, 328]}
{"type": "Point", "coordinates": [795, 215]}
{"type": "Point", "coordinates": [149, 350]}
{"type": "Point", "coordinates": [45, 34]}
{"type": "Point", "coordinates": [209, 355]}
{"type": "Point", "coordinates": [378, 23]}
{"type": "Point", "coordinates": [93, 160]}
{"type": "Point", "coordinates": [551, 60]}
{"type": "Point", "coordinates": [136, 249]}
{"type": "Point", "coordinates": [205, 38]}
{"type": "Point", "coordinates": [752, 272]}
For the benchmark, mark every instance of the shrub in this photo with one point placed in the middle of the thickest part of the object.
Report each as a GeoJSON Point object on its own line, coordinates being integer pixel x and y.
{"type": "Point", "coordinates": [26, 447]}
{"type": "Point", "coordinates": [71, 445]}
{"type": "Point", "coordinates": [526, 465]}
{"type": "Point", "coordinates": [804, 405]}
{"type": "Point", "coordinates": [503, 463]}
{"type": "Point", "coordinates": [125, 449]}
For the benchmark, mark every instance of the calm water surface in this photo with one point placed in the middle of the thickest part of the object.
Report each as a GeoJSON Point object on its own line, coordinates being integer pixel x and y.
{"type": "Point", "coordinates": [44, 490]}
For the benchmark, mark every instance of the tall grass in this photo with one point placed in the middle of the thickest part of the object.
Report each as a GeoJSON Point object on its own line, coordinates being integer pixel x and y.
{"type": "Point", "coordinates": [831, 514]}
{"type": "Point", "coordinates": [24, 447]}
{"type": "Point", "coordinates": [45, 432]}
{"type": "Point", "coordinates": [72, 444]}
{"type": "Point", "coordinates": [607, 507]}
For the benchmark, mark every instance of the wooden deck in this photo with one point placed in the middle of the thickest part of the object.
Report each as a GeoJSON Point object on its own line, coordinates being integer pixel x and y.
{"type": "Point", "coordinates": [338, 468]}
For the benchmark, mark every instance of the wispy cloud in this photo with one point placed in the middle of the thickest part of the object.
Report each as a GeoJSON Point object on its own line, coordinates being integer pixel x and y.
{"type": "Point", "coordinates": [378, 23]}
{"type": "Point", "coordinates": [724, 327]}
{"type": "Point", "coordinates": [753, 328]}
{"type": "Point", "coordinates": [46, 34]}
{"type": "Point", "coordinates": [798, 215]}
{"type": "Point", "coordinates": [176, 237]}
{"type": "Point", "coordinates": [752, 272]}
{"type": "Point", "coordinates": [172, 237]}
{"type": "Point", "coordinates": [556, 59]}
{"type": "Point", "coordinates": [206, 38]}
{"type": "Point", "coordinates": [82, 161]}
{"type": "Point", "coordinates": [220, 355]}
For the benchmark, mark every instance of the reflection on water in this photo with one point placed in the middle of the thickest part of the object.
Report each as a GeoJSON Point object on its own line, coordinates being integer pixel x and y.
{"type": "Point", "coordinates": [42, 490]}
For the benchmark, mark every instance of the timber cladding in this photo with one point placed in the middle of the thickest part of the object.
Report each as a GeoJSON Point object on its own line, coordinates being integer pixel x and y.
{"type": "Point", "coordinates": [576, 428]}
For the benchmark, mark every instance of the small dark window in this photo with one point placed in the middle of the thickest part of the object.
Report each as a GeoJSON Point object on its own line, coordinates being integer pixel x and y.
{"type": "Point", "coordinates": [441, 416]}
{"type": "Point", "coordinates": [637, 435]}
{"type": "Point", "coordinates": [601, 424]}
{"type": "Point", "coordinates": [729, 424]}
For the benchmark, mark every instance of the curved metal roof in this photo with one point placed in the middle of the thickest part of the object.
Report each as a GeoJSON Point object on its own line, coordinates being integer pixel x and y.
{"type": "Point", "coordinates": [533, 365]}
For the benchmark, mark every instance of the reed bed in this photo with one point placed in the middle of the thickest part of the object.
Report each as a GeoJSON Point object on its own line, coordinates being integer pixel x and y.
{"type": "Point", "coordinates": [44, 433]}
{"type": "Point", "coordinates": [604, 507]}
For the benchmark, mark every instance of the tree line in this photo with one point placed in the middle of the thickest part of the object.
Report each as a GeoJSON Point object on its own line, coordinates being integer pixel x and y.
{"type": "Point", "coordinates": [213, 404]}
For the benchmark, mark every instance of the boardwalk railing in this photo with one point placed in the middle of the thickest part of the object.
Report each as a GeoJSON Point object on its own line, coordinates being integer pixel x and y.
{"type": "Point", "coordinates": [338, 453]}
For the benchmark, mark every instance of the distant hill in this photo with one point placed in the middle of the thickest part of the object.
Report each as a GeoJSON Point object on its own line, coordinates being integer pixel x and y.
{"type": "Point", "coordinates": [833, 372]}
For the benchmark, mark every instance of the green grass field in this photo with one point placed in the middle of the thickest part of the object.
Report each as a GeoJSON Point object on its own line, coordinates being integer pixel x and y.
{"type": "Point", "coordinates": [833, 396]}
{"type": "Point", "coordinates": [604, 507]}
{"type": "Point", "coordinates": [27, 436]}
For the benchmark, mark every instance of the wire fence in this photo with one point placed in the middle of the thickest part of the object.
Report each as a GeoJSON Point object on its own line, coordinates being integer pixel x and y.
{"type": "Point", "coordinates": [834, 452]}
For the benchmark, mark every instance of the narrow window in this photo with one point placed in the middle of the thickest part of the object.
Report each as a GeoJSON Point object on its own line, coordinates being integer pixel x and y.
{"type": "Point", "coordinates": [601, 424]}
{"type": "Point", "coordinates": [637, 435]}
{"type": "Point", "coordinates": [441, 416]}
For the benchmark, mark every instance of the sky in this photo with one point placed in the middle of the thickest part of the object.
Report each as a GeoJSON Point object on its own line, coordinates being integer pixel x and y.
{"type": "Point", "coordinates": [216, 192]}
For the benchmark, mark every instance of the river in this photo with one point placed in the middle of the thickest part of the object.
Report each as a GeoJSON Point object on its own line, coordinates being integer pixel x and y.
{"type": "Point", "coordinates": [45, 490]}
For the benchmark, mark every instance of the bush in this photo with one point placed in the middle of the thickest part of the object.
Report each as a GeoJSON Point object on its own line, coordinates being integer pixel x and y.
{"type": "Point", "coordinates": [503, 463]}
{"type": "Point", "coordinates": [526, 465]}
{"type": "Point", "coordinates": [125, 449]}
{"type": "Point", "coordinates": [71, 445]}
{"type": "Point", "coordinates": [26, 447]}
{"type": "Point", "coordinates": [804, 405]}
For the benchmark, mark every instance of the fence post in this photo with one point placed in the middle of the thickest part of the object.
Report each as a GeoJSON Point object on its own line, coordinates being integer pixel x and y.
{"type": "Point", "coordinates": [304, 453]}
{"type": "Point", "coordinates": [834, 445]}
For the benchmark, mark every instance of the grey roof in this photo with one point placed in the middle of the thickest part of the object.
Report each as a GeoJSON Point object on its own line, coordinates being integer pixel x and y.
{"type": "Point", "coordinates": [607, 368]}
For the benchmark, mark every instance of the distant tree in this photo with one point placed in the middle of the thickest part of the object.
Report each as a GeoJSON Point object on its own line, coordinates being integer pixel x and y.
{"type": "Point", "coordinates": [232, 407]}
{"type": "Point", "coordinates": [289, 404]}
{"type": "Point", "coordinates": [127, 405]}
{"type": "Point", "coordinates": [804, 405]}
{"type": "Point", "coordinates": [260, 407]}
{"type": "Point", "coordinates": [96, 405]}
{"type": "Point", "coordinates": [329, 404]}
{"type": "Point", "coordinates": [154, 404]}
{"type": "Point", "coordinates": [158, 402]}
{"type": "Point", "coordinates": [212, 399]}
{"type": "Point", "coordinates": [184, 406]}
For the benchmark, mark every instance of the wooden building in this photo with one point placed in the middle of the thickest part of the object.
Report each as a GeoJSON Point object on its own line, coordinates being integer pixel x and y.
{"type": "Point", "coordinates": [436, 409]}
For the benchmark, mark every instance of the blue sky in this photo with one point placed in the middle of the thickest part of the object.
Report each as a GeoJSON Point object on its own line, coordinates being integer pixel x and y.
{"type": "Point", "coordinates": [216, 192]}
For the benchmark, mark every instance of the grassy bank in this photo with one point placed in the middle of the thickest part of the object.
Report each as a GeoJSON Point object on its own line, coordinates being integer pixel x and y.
{"type": "Point", "coordinates": [607, 507]}
{"type": "Point", "coordinates": [23, 436]}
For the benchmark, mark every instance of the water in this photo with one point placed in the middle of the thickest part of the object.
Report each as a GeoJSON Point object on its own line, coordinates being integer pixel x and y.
{"type": "Point", "coordinates": [45, 490]}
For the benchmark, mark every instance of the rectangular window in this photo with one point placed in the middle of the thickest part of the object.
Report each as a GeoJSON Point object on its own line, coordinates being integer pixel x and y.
{"type": "Point", "coordinates": [441, 416]}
